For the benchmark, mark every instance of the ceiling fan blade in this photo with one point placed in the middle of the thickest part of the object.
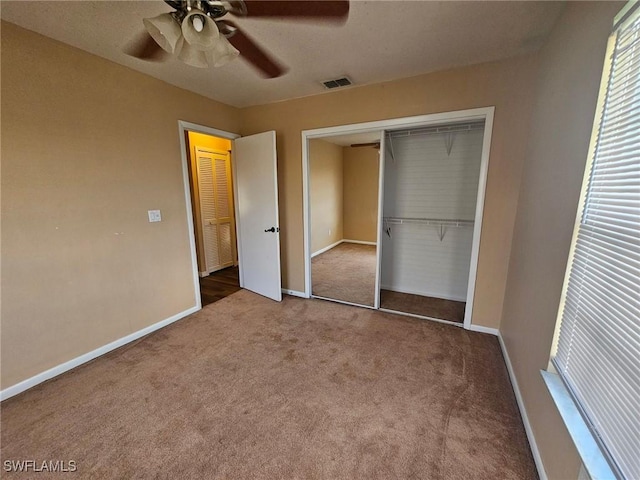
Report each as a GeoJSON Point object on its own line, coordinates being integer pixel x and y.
{"type": "Point", "coordinates": [253, 53]}
{"type": "Point", "coordinates": [331, 10]}
{"type": "Point", "coordinates": [146, 48]}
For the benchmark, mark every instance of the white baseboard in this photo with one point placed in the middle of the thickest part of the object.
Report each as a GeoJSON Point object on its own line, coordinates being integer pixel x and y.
{"type": "Point", "coordinates": [294, 293]}
{"type": "Point", "coordinates": [64, 367]}
{"type": "Point", "coordinates": [326, 249]}
{"type": "Point", "coordinates": [482, 329]}
{"type": "Point", "coordinates": [523, 413]}
{"type": "Point", "coordinates": [423, 293]}
{"type": "Point", "coordinates": [361, 242]}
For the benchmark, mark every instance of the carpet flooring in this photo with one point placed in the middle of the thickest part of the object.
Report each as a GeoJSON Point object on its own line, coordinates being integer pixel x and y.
{"type": "Point", "coordinates": [347, 272]}
{"type": "Point", "coordinates": [425, 306]}
{"type": "Point", "coordinates": [249, 388]}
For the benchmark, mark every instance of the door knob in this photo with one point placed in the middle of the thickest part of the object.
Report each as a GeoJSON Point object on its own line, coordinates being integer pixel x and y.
{"type": "Point", "coordinates": [272, 229]}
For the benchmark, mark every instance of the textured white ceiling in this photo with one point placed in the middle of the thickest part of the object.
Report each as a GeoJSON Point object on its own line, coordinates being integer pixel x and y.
{"type": "Point", "coordinates": [381, 41]}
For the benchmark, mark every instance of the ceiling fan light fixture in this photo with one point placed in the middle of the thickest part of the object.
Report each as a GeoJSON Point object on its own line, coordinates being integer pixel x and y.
{"type": "Point", "coordinates": [164, 30]}
{"type": "Point", "coordinates": [198, 23]}
{"type": "Point", "coordinates": [199, 30]}
{"type": "Point", "coordinates": [223, 52]}
{"type": "Point", "coordinates": [191, 55]}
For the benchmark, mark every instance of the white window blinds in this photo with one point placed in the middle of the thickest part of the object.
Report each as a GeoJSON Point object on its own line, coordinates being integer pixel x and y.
{"type": "Point", "coordinates": [598, 352]}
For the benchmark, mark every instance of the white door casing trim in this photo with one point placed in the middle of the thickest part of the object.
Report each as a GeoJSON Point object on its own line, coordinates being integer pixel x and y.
{"type": "Point", "coordinates": [382, 154]}
{"type": "Point", "coordinates": [483, 113]}
{"type": "Point", "coordinates": [477, 228]}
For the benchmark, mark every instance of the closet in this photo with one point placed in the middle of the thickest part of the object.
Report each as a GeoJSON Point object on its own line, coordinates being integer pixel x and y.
{"type": "Point", "coordinates": [431, 179]}
{"type": "Point", "coordinates": [215, 208]}
{"type": "Point", "coordinates": [432, 172]}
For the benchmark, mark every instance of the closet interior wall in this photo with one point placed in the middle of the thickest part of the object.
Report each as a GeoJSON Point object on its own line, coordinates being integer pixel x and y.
{"type": "Point", "coordinates": [430, 195]}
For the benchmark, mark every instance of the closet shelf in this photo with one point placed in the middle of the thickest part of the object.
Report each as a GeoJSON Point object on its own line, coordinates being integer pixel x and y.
{"type": "Point", "coordinates": [439, 222]}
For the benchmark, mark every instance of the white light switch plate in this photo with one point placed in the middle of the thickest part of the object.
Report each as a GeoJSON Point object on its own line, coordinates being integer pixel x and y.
{"type": "Point", "coordinates": [154, 216]}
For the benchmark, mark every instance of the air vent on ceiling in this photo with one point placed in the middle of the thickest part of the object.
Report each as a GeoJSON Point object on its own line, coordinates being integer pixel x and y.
{"type": "Point", "coordinates": [338, 82]}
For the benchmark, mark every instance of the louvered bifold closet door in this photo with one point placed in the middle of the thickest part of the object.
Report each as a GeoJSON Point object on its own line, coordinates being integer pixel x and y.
{"type": "Point", "coordinates": [599, 342]}
{"type": "Point", "coordinates": [208, 210]}
{"type": "Point", "coordinates": [224, 209]}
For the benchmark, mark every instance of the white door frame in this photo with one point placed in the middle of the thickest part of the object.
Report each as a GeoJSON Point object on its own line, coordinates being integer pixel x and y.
{"type": "Point", "coordinates": [484, 113]}
{"type": "Point", "coordinates": [381, 168]}
{"type": "Point", "coordinates": [184, 127]}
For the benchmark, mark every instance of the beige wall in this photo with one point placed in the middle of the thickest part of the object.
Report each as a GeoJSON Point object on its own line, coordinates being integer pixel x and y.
{"type": "Point", "coordinates": [326, 186]}
{"type": "Point", "coordinates": [194, 140]}
{"type": "Point", "coordinates": [508, 85]}
{"type": "Point", "coordinates": [570, 71]}
{"type": "Point", "coordinates": [88, 147]}
{"type": "Point", "coordinates": [360, 210]}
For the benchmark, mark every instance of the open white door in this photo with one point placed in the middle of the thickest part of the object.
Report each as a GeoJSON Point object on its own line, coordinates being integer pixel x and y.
{"type": "Point", "coordinates": [256, 183]}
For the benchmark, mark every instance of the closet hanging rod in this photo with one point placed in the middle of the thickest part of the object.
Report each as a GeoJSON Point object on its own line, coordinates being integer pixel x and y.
{"type": "Point", "coordinates": [428, 221]}
{"type": "Point", "coordinates": [442, 129]}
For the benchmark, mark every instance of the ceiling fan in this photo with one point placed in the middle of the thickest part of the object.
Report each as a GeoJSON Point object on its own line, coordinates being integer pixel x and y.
{"type": "Point", "coordinates": [197, 33]}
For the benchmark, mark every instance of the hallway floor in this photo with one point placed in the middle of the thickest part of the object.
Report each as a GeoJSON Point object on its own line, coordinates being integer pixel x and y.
{"type": "Point", "coordinates": [219, 285]}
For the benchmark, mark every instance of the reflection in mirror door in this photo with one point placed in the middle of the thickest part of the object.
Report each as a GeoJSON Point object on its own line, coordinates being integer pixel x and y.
{"type": "Point", "coordinates": [343, 181]}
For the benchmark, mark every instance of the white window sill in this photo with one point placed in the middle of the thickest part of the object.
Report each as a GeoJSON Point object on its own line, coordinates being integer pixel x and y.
{"type": "Point", "coordinates": [594, 461]}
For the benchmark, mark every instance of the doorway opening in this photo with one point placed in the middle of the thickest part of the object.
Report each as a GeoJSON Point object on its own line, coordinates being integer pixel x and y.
{"type": "Point", "coordinates": [213, 214]}
{"type": "Point", "coordinates": [212, 202]}
{"type": "Point", "coordinates": [240, 229]}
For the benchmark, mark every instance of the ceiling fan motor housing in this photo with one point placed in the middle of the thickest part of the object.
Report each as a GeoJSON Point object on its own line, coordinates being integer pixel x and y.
{"type": "Point", "coordinates": [212, 8]}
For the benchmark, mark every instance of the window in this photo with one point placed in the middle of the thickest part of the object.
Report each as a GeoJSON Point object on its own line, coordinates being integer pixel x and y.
{"type": "Point", "coordinates": [598, 344]}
